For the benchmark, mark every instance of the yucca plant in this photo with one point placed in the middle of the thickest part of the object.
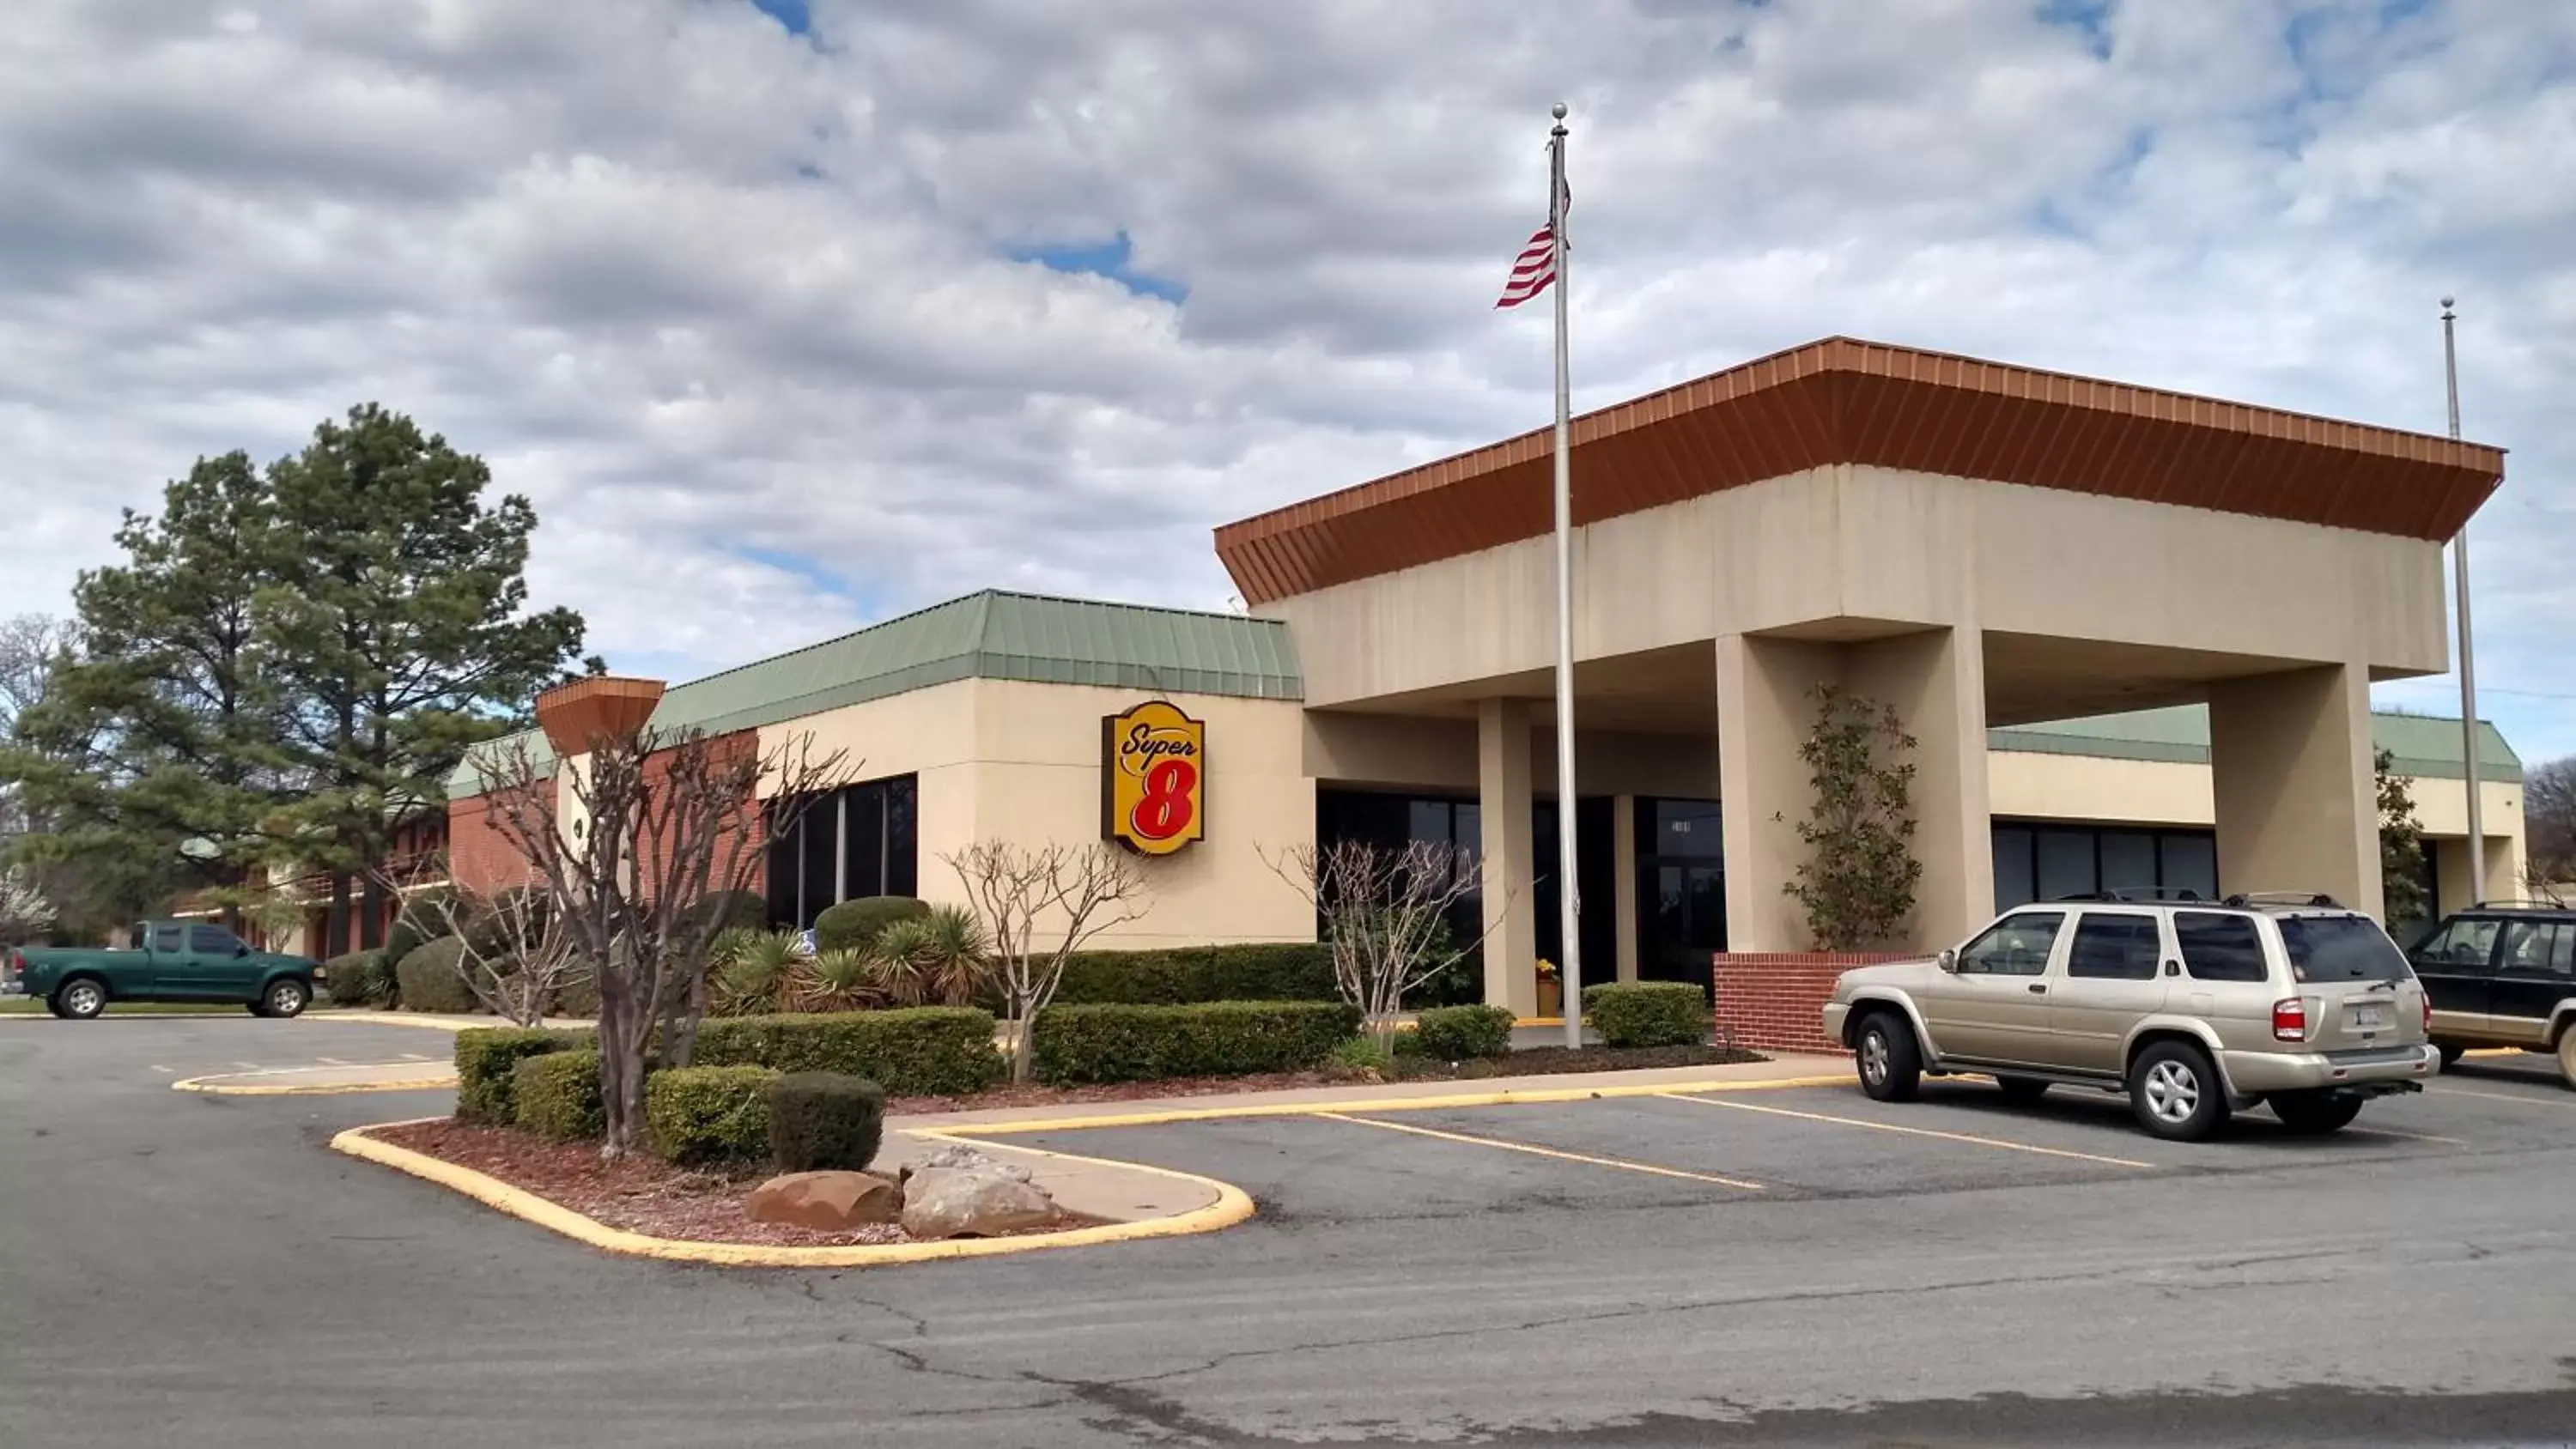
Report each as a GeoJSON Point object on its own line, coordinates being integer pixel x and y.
{"type": "Point", "coordinates": [752, 970]}
{"type": "Point", "coordinates": [937, 959]}
{"type": "Point", "coordinates": [843, 980]}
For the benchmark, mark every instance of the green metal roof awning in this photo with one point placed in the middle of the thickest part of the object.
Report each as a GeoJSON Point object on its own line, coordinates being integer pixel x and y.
{"type": "Point", "coordinates": [2424, 746]}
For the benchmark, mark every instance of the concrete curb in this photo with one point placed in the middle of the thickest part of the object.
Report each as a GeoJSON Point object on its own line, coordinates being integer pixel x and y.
{"type": "Point", "coordinates": [226, 1084]}
{"type": "Point", "coordinates": [1506, 1097]}
{"type": "Point", "coordinates": [1232, 1206]}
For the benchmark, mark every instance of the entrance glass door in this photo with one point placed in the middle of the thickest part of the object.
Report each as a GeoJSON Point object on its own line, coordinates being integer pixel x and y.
{"type": "Point", "coordinates": [1681, 885]}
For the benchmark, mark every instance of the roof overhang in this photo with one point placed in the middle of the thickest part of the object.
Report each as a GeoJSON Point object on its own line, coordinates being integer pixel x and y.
{"type": "Point", "coordinates": [1843, 401]}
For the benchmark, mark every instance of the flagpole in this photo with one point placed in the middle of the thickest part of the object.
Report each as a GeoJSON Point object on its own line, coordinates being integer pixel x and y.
{"type": "Point", "coordinates": [2468, 652]}
{"type": "Point", "coordinates": [1568, 894]}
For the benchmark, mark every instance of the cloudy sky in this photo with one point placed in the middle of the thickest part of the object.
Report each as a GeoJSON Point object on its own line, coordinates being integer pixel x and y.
{"type": "Point", "coordinates": [792, 314]}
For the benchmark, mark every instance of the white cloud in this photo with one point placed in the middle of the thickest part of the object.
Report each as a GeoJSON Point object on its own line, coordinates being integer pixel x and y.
{"type": "Point", "coordinates": [739, 309]}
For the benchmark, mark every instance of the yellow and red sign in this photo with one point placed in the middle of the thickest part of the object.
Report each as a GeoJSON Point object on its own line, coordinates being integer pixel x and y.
{"type": "Point", "coordinates": [1153, 778]}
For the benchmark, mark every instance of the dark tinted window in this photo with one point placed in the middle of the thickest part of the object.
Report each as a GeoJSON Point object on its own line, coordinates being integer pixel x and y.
{"type": "Point", "coordinates": [2538, 948]}
{"type": "Point", "coordinates": [2341, 948]}
{"type": "Point", "coordinates": [2114, 948]}
{"type": "Point", "coordinates": [2017, 945]}
{"type": "Point", "coordinates": [2462, 946]}
{"type": "Point", "coordinates": [165, 938]}
{"type": "Point", "coordinates": [2220, 948]}
{"type": "Point", "coordinates": [211, 940]}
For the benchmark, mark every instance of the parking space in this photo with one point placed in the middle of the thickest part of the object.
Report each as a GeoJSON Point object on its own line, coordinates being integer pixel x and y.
{"type": "Point", "coordinates": [1733, 1147]}
{"type": "Point", "coordinates": [174, 1048]}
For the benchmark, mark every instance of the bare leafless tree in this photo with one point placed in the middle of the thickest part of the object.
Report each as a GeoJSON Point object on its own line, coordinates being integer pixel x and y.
{"type": "Point", "coordinates": [2549, 816]}
{"type": "Point", "coordinates": [1385, 911]}
{"type": "Point", "coordinates": [24, 911]}
{"type": "Point", "coordinates": [630, 842]}
{"type": "Point", "coordinates": [1057, 894]}
{"type": "Point", "coordinates": [514, 946]}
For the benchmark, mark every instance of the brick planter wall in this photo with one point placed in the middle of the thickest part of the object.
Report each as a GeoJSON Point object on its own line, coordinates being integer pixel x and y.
{"type": "Point", "coordinates": [1775, 1000]}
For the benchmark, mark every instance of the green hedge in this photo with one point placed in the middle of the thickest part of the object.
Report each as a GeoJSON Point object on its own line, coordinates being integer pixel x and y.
{"type": "Point", "coordinates": [358, 979]}
{"type": "Point", "coordinates": [700, 1115]}
{"type": "Point", "coordinates": [922, 1051]}
{"type": "Point", "coordinates": [1182, 975]}
{"type": "Point", "coordinates": [1116, 1043]}
{"type": "Point", "coordinates": [556, 1094]}
{"type": "Point", "coordinates": [824, 1122]}
{"type": "Point", "coordinates": [747, 910]}
{"type": "Point", "coordinates": [855, 924]}
{"type": "Point", "coordinates": [487, 1063]}
{"type": "Point", "coordinates": [432, 978]}
{"type": "Point", "coordinates": [1648, 1013]}
{"type": "Point", "coordinates": [418, 923]}
{"type": "Point", "coordinates": [1461, 1033]}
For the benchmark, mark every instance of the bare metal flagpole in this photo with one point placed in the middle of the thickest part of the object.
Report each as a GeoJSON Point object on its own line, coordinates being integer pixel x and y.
{"type": "Point", "coordinates": [1568, 896]}
{"type": "Point", "coordinates": [2468, 653]}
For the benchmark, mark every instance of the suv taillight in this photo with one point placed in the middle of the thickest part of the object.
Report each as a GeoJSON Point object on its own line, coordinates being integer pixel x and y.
{"type": "Point", "coordinates": [2290, 1019]}
{"type": "Point", "coordinates": [2426, 998]}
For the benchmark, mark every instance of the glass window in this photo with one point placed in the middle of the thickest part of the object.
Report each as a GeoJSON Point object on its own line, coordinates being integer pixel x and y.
{"type": "Point", "coordinates": [2128, 861]}
{"type": "Point", "coordinates": [862, 842]}
{"type": "Point", "coordinates": [165, 938]}
{"type": "Point", "coordinates": [2220, 947]}
{"type": "Point", "coordinates": [211, 940]}
{"type": "Point", "coordinates": [2462, 946]}
{"type": "Point", "coordinates": [903, 836]}
{"type": "Point", "coordinates": [2341, 948]}
{"type": "Point", "coordinates": [2017, 945]}
{"type": "Point", "coordinates": [2190, 864]}
{"type": "Point", "coordinates": [2110, 947]}
{"type": "Point", "coordinates": [2066, 864]}
{"type": "Point", "coordinates": [2536, 948]}
{"type": "Point", "coordinates": [1426, 820]}
{"type": "Point", "coordinates": [1687, 828]}
{"type": "Point", "coordinates": [2015, 884]}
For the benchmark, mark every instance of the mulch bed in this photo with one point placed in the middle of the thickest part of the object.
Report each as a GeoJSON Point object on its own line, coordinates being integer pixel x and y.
{"type": "Point", "coordinates": [641, 1194]}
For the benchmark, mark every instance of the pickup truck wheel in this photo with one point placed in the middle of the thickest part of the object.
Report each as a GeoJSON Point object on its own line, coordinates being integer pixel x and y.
{"type": "Point", "coordinates": [284, 997]}
{"type": "Point", "coordinates": [2314, 1114]}
{"type": "Point", "coordinates": [2176, 1092]}
{"type": "Point", "coordinates": [1890, 1061]}
{"type": "Point", "coordinates": [80, 1000]}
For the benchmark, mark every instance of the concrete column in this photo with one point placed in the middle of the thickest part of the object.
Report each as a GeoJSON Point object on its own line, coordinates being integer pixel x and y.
{"type": "Point", "coordinates": [1623, 880]}
{"type": "Point", "coordinates": [1503, 803]}
{"type": "Point", "coordinates": [1936, 681]}
{"type": "Point", "coordinates": [2290, 773]}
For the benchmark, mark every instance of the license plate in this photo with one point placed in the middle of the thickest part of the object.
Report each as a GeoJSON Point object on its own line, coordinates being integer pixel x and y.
{"type": "Point", "coordinates": [2369, 1018]}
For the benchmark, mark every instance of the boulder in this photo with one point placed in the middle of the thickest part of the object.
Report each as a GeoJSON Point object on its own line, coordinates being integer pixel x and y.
{"type": "Point", "coordinates": [973, 1202]}
{"type": "Point", "coordinates": [958, 1154]}
{"type": "Point", "coordinates": [829, 1202]}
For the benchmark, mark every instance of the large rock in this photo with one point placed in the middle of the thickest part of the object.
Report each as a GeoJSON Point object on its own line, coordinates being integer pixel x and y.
{"type": "Point", "coordinates": [958, 1154]}
{"type": "Point", "coordinates": [973, 1202]}
{"type": "Point", "coordinates": [829, 1202]}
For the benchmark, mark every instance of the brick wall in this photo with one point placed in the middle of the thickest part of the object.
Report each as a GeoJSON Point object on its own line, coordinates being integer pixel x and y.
{"type": "Point", "coordinates": [482, 858]}
{"type": "Point", "coordinates": [1775, 1000]}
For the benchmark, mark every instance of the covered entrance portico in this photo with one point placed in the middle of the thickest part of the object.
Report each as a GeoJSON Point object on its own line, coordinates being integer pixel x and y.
{"type": "Point", "coordinates": [1968, 543]}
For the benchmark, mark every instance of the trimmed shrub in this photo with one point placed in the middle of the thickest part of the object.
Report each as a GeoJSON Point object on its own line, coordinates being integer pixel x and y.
{"type": "Point", "coordinates": [556, 1094]}
{"type": "Point", "coordinates": [1462, 1033]}
{"type": "Point", "coordinates": [922, 1051]}
{"type": "Point", "coordinates": [418, 922]}
{"type": "Point", "coordinates": [1182, 975]}
{"type": "Point", "coordinates": [1361, 1059]}
{"type": "Point", "coordinates": [1648, 1013]}
{"type": "Point", "coordinates": [521, 908]}
{"type": "Point", "coordinates": [358, 979]}
{"type": "Point", "coordinates": [743, 910]}
{"type": "Point", "coordinates": [824, 1122]}
{"type": "Point", "coordinates": [699, 1115]}
{"type": "Point", "coordinates": [1076, 1044]}
{"type": "Point", "coordinates": [853, 925]}
{"type": "Point", "coordinates": [487, 1064]}
{"type": "Point", "coordinates": [580, 999]}
{"type": "Point", "coordinates": [432, 978]}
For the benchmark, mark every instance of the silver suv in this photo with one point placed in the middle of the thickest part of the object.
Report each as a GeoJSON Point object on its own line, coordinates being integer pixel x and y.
{"type": "Point", "coordinates": [2194, 1008]}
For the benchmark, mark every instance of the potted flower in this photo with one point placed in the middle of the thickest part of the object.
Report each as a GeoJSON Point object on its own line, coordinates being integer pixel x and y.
{"type": "Point", "coordinates": [1551, 989]}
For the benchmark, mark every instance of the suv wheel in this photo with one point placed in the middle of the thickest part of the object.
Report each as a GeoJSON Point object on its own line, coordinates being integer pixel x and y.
{"type": "Point", "coordinates": [2451, 1055]}
{"type": "Point", "coordinates": [285, 996]}
{"type": "Point", "coordinates": [2176, 1092]}
{"type": "Point", "coordinates": [80, 1000]}
{"type": "Point", "coordinates": [2314, 1114]}
{"type": "Point", "coordinates": [1891, 1064]}
{"type": "Point", "coordinates": [2567, 1053]}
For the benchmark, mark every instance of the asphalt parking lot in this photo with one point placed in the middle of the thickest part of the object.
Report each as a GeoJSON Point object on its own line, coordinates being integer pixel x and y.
{"type": "Point", "coordinates": [1781, 1267]}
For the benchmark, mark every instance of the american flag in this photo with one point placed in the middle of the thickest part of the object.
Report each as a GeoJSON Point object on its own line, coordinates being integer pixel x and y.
{"type": "Point", "coordinates": [1535, 267]}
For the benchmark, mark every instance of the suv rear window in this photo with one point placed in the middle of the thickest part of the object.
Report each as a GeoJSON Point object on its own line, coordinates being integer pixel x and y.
{"type": "Point", "coordinates": [2219, 947]}
{"type": "Point", "coordinates": [2341, 948]}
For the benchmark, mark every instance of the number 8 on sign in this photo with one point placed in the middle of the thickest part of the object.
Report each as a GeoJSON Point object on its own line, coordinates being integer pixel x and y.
{"type": "Point", "coordinates": [1153, 772]}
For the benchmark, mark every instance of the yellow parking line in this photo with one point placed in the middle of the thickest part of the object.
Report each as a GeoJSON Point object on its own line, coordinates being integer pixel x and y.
{"type": "Point", "coordinates": [2514, 1097]}
{"type": "Point", "coordinates": [1587, 1159]}
{"type": "Point", "coordinates": [1967, 1137]}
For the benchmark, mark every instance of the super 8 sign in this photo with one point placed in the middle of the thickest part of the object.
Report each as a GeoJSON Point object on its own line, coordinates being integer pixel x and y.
{"type": "Point", "coordinates": [1153, 768]}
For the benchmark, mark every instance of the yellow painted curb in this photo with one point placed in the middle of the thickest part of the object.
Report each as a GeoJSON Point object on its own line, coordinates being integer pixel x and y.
{"type": "Point", "coordinates": [1390, 1104]}
{"type": "Point", "coordinates": [216, 1086]}
{"type": "Point", "coordinates": [1232, 1206]}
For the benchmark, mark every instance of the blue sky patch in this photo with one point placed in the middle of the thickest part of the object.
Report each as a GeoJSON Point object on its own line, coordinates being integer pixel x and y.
{"type": "Point", "coordinates": [1109, 259]}
{"type": "Point", "coordinates": [792, 14]}
{"type": "Point", "coordinates": [2090, 18]}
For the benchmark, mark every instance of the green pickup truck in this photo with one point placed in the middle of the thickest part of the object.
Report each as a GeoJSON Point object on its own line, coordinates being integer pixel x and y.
{"type": "Point", "coordinates": [163, 961]}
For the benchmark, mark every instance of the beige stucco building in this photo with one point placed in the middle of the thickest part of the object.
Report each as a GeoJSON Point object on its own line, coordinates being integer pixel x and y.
{"type": "Point", "coordinates": [2132, 633]}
